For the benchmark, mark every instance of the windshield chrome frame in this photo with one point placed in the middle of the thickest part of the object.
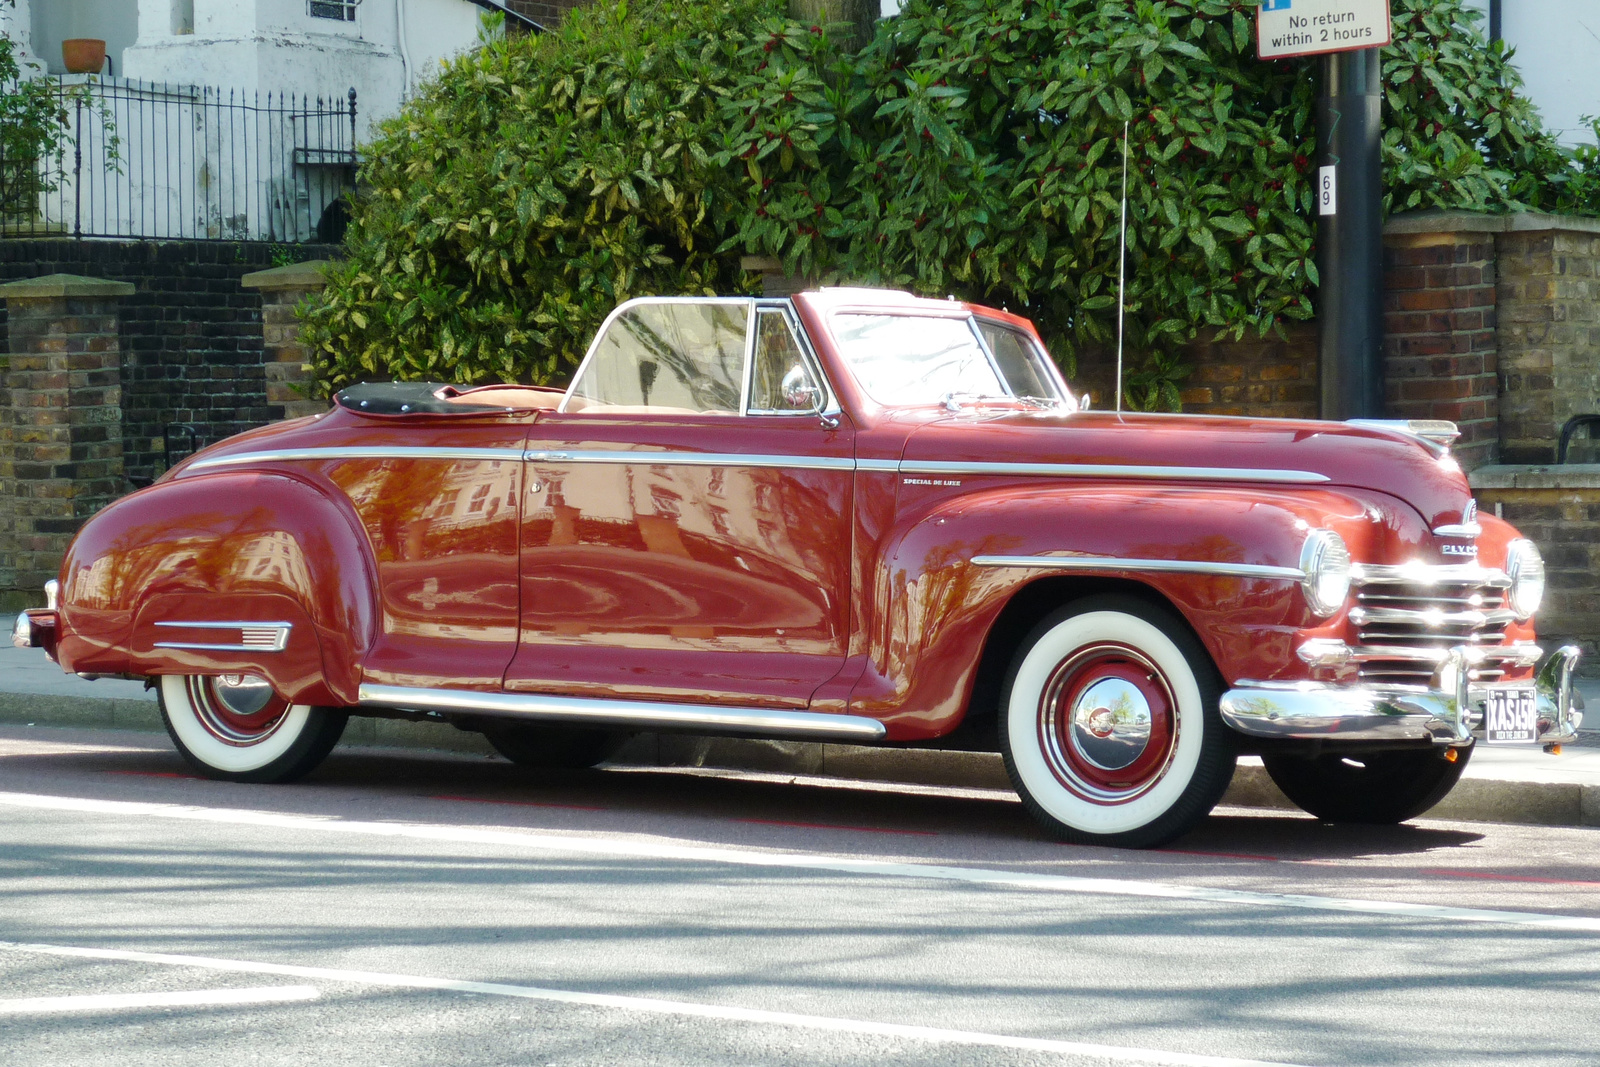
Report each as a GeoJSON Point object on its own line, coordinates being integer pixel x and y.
{"type": "Point", "coordinates": [1061, 400]}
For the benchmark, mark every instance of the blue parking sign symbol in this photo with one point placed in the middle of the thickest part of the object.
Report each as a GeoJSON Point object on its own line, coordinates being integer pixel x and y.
{"type": "Point", "coordinates": [1276, 5]}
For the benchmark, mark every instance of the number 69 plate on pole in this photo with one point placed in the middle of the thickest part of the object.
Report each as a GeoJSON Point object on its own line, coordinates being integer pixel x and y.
{"type": "Point", "coordinates": [1511, 716]}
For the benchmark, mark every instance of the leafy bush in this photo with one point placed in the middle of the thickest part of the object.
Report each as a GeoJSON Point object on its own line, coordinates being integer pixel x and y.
{"type": "Point", "coordinates": [528, 189]}
{"type": "Point", "coordinates": [973, 148]}
{"type": "Point", "coordinates": [34, 120]}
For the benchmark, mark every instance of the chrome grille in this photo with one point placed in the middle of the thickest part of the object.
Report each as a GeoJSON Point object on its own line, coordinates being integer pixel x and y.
{"type": "Point", "coordinates": [1408, 617]}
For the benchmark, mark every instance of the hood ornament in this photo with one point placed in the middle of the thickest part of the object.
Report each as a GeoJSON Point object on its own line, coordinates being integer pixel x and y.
{"type": "Point", "coordinates": [1467, 528]}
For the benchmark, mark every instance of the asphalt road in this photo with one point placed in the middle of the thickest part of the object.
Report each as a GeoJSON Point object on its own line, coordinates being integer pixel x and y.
{"type": "Point", "coordinates": [396, 909]}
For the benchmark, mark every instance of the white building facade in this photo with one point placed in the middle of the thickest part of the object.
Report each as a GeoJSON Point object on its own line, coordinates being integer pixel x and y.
{"type": "Point", "coordinates": [226, 119]}
{"type": "Point", "coordinates": [1557, 46]}
{"type": "Point", "coordinates": [381, 48]}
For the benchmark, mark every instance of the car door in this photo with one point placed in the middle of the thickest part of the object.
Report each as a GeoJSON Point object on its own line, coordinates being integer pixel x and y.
{"type": "Point", "coordinates": [686, 530]}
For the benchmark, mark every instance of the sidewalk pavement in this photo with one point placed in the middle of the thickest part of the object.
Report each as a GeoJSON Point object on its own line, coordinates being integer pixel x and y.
{"type": "Point", "coordinates": [1514, 785]}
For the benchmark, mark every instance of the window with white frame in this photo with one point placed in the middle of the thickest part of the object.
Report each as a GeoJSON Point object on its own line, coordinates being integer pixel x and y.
{"type": "Point", "coordinates": [338, 10]}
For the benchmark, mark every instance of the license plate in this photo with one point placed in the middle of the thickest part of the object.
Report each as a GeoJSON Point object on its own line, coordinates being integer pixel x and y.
{"type": "Point", "coordinates": [1511, 716]}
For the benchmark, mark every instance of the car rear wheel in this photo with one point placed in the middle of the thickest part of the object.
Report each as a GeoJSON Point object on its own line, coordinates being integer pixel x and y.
{"type": "Point", "coordinates": [1377, 789]}
{"type": "Point", "coordinates": [553, 747]}
{"type": "Point", "coordinates": [236, 728]}
{"type": "Point", "coordinates": [1109, 725]}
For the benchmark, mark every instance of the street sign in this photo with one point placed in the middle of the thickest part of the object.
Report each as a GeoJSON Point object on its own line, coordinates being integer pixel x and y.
{"type": "Point", "coordinates": [1286, 28]}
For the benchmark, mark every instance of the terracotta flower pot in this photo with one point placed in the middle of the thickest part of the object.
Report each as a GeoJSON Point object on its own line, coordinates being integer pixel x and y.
{"type": "Point", "coordinates": [83, 55]}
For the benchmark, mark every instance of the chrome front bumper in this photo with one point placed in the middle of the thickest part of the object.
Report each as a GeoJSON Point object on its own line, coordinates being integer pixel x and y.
{"type": "Point", "coordinates": [1449, 711]}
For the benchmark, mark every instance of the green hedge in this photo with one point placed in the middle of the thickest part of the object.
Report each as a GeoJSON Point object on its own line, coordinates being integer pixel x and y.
{"type": "Point", "coordinates": [973, 148]}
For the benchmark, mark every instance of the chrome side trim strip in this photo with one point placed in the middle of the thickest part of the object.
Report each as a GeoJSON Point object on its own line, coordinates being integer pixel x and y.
{"type": "Point", "coordinates": [736, 459]}
{"type": "Point", "coordinates": [278, 455]}
{"type": "Point", "coordinates": [1168, 566]}
{"type": "Point", "coordinates": [1116, 470]}
{"type": "Point", "coordinates": [696, 459]}
{"type": "Point", "coordinates": [253, 636]}
{"type": "Point", "coordinates": [1458, 529]}
{"type": "Point", "coordinates": [640, 714]}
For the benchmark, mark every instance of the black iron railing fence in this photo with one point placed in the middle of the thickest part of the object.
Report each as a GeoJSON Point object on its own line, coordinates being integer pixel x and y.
{"type": "Point", "coordinates": [148, 160]}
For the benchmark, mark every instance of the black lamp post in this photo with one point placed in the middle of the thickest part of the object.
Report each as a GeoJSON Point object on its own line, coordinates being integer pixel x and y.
{"type": "Point", "coordinates": [1350, 234]}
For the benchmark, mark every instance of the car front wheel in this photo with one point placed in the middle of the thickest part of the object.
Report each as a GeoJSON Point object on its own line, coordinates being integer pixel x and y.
{"type": "Point", "coordinates": [236, 728]}
{"type": "Point", "coordinates": [1379, 788]}
{"type": "Point", "coordinates": [1109, 725]}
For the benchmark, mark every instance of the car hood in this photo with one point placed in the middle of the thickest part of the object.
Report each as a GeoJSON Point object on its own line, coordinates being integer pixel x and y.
{"type": "Point", "coordinates": [1270, 451]}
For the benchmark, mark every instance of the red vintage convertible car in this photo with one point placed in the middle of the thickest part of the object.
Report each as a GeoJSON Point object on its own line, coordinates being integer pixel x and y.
{"type": "Point", "coordinates": [850, 515]}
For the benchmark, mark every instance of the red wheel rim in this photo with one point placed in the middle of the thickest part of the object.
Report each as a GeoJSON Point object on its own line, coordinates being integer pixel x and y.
{"type": "Point", "coordinates": [1107, 723]}
{"type": "Point", "coordinates": [235, 709]}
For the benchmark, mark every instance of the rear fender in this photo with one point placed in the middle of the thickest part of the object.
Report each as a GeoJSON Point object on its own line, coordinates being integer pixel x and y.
{"type": "Point", "coordinates": [932, 608]}
{"type": "Point", "coordinates": [222, 548]}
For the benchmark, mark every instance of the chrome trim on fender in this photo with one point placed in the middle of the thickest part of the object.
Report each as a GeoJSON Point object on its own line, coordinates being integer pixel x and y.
{"type": "Point", "coordinates": [735, 459]}
{"type": "Point", "coordinates": [1116, 470]}
{"type": "Point", "coordinates": [1169, 566]}
{"type": "Point", "coordinates": [253, 636]}
{"type": "Point", "coordinates": [279, 455]}
{"type": "Point", "coordinates": [1447, 711]}
{"type": "Point", "coordinates": [639, 714]}
{"type": "Point", "coordinates": [694, 459]}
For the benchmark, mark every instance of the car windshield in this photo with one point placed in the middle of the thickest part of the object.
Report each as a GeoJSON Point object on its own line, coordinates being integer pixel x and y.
{"type": "Point", "coordinates": [925, 359]}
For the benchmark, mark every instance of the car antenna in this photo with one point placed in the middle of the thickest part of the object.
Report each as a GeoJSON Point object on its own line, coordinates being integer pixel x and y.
{"type": "Point", "coordinates": [1122, 262]}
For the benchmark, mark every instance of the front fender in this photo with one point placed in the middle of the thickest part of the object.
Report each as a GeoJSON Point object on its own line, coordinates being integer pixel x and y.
{"type": "Point", "coordinates": [932, 608]}
{"type": "Point", "coordinates": [230, 546]}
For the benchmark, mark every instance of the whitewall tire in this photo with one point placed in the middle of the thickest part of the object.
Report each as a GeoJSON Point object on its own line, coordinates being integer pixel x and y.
{"type": "Point", "coordinates": [236, 728]}
{"type": "Point", "coordinates": [1109, 725]}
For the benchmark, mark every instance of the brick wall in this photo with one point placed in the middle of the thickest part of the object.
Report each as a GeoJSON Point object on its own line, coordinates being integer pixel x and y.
{"type": "Point", "coordinates": [1272, 377]}
{"type": "Point", "coordinates": [282, 290]}
{"type": "Point", "coordinates": [1558, 508]}
{"type": "Point", "coordinates": [191, 336]}
{"type": "Point", "coordinates": [1549, 336]}
{"type": "Point", "coordinates": [1439, 335]}
{"type": "Point", "coordinates": [61, 441]}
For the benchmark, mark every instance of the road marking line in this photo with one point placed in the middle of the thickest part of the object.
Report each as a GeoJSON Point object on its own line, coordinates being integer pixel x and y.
{"type": "Point", "coordinates": [836, 826]}
{"type": "Point", "coordinates": [514, 803]}
{"type": "Point", "coordinates": [653, 1006]}
{"type": "Point", "coordinates": [634, 848]}
{"type": "Point", "coordinates": [198, 998]}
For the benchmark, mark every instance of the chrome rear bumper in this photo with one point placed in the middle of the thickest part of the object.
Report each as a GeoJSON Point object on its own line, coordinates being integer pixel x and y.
{"type": "Point", "coordinates": [1449, 711]}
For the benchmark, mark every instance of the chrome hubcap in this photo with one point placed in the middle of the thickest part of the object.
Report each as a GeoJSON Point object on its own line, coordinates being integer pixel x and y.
{"type": "Point", "coordinates": [1107, 723]}
{"type": "Point", "coordinates": [238, 709]}
{"type": "Point", "coordinates": [1110, 724]}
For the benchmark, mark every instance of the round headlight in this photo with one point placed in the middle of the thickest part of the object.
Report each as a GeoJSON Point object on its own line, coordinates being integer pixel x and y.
{"type": "Point", "coordinates": [1326, 563]}
{"type": "Point", "coordinates": [1525, 568]}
